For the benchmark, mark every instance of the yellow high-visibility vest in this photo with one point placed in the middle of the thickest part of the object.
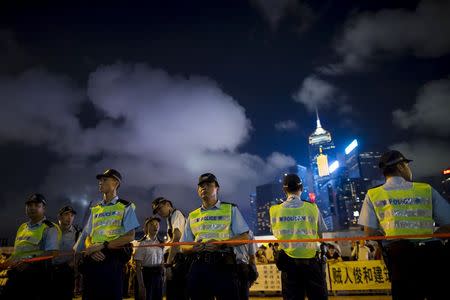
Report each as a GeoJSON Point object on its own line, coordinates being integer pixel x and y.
{"type": "Point", "coordinates": [404, 212]}
{"type": "Point", "coordinates": [107, 222]}
{"type": "Point", "coordinates": [211, 223]}
{"type": "Point", "coordinates": [296, 223]}
{"type": "Point", "coordinates": [28, 239]}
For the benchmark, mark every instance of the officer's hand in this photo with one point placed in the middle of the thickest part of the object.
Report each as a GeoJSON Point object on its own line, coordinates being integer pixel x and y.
{"type": "Point", "coordinates": [198, 247]}
{"type": "Point", "coordinates": [98, 256]}
{"type": "Point", "coordinates": [212, 247]}
{"type": "Point", "coordinates": [93, 248]}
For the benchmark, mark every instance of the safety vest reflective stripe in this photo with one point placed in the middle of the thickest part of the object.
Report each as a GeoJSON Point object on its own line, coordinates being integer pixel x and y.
{"type": "Point", "coordinates": [311, 232]}
{"type": "Point", "coordinates": [107, 222]}
{"type": "Point", "coordinates": [404, 212]}
{"type": "Point", "coordinates": [296, 223]}
{"type": "Point", "coordinates": [212, 223]}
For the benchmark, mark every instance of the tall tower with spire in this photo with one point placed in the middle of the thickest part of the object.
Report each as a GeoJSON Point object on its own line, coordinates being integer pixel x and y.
{"type": "Point", "coordinates": [321, 153]}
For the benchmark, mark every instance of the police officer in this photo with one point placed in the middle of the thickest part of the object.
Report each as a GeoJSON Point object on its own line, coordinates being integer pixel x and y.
{"type": "Point", "coordinates": [64, 271]}
{"type": "Point", "coordinates": [106, 241]}
{"type": "Point", "coordinates": [403, 207]}
{"type": "Point", "coordinates": [213, 270]}
{"type": "Point", "coordinates": [176, 266]}
{"type": "Point", "coordinates": [246, 267]}
{"type": "Point", "coordinates": [301, 268]}
{"type": "Point", "coordinates": [35, 238]}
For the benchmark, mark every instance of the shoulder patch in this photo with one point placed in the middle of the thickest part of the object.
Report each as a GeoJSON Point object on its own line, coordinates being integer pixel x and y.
{"type": "Point", "coordinates": [48, 223]}
{"type": "Point", "coordinates": [232, 204]}
{"type": "Point", "coordinates": [124, 202]}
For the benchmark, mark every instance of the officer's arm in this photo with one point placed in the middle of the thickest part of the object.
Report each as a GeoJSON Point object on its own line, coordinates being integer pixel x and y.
{"type": "Point", "coordinates": [368, 218]}
{"type": "Point", "coordinates": [51, 240]}
{"type": "Point", "coordinates": [441, 212]}
{"type": "Point", "coordinates": [123, 240]}
{"type": "Point", "coordinates": [174, 249]}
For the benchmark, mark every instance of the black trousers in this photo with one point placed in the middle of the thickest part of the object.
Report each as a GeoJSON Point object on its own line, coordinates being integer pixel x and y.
{"type": "Point", "coordinates": [63, 282]}
{"type": "Point", "coordinates": [243, 274]}
{"type": "Point", "coordinates": [301, 277]}
{"type": "Point", "coordinates": [33, 283]}
{"type": "Point", "coordinates": [103, 280]}
{"type": "Point", "coordinates": [207, 280]}
{"type": "Point", "coordinates": [414, 269]}
{"type": "Point", "coordinates": [176, 288]}
{"type": "Point", "coordinates": [153, 282]}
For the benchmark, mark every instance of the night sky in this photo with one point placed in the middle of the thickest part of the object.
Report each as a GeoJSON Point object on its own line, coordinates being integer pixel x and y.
{"type": "Point", "coordinates": [166, 91]}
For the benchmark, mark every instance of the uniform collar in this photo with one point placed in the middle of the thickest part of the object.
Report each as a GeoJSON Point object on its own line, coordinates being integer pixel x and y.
{"type": "Point", "coordinates": [293, 198]}
{"type": "Point", "coordinates": [112, 202]}
{"type": "Point", "coordinates": [395, 180]}
{"type": "Point", "coordinates": [36, 224]}
{"type": "Point", "coordinates": [215, 206]}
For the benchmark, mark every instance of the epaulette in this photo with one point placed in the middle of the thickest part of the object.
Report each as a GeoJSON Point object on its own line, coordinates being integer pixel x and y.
{"type": "Point", "coordinates": [48, 223]}
{"type": "Point", "coordinates": [374, 187]}
{"type": "Point", "coordinates": [124, 202]}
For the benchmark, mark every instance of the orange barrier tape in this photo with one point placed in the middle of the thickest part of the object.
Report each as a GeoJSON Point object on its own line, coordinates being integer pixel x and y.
{"type": "Point", "coordinates": [231, 242]}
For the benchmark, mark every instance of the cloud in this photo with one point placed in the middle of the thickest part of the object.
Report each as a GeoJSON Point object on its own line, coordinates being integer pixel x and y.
{"type": "Point", "coordinates": [161, 131]}
{"type": "Point", "coordinates": [315, 92]}
{"type": "Point", "coordinates": [430, 156]}
{"type": "Point", "coordinates": [424, 32]}
{"type": "Point", "coordinates": [274, 11]}
{"type": "Point", "coordinates": [286, 125]}
{"type": "Point", "coordinates": [430, 112]}
{"type": "Point", "coordinates": [428, 120]}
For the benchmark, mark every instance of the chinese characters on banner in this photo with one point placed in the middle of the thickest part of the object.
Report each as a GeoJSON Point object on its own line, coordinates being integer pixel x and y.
{"type": "Point", "coordinates": [269, 278]}
{"type": "Point", "coordinates": [358, 275]}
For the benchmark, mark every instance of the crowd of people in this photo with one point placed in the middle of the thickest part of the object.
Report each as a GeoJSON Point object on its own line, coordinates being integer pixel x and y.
{"type": "Point", "coordinates": [218, 259]}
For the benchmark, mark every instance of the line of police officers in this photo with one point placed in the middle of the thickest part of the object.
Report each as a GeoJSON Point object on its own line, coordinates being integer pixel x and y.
{"type": "Point", "coordinates": [211, 269]}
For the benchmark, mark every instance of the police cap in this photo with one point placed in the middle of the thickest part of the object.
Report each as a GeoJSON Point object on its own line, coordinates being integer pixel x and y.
{"type": "Point", "coordinates": [111, 173]}
{"type": "Point", "coordinates": [391, 158]}
{"type": "Point", "coordinates": [36, 198]}
{"type": "Point", "coordinates": [65, 209]}
{"type": "Point", "coordinates": [292, 181]}
{"type": "Point", "coordinates": [207, 177]}
{"type": "Point", "coordinates": [157, 202]}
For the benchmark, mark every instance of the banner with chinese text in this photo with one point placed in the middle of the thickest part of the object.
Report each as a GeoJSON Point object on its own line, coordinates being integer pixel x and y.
{"type": "Point", "coordinates": [358, 275]}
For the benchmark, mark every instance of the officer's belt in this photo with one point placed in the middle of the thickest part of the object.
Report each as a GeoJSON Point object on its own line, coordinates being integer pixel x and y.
{"type": "Point", "coordinates": [207, 257]}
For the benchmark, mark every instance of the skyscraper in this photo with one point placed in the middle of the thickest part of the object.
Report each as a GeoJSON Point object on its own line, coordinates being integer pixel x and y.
{"type": "Point", "coordinates": [321, 153]}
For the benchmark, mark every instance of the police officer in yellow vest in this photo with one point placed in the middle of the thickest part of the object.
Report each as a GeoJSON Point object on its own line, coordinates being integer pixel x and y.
{"type": "Point", "coordinates": [300, 266]}
{"type": "Point", "coordinates": [213, 270]}
{"type": "Point", "coordinates": [35, 238]}
{"type": "Point", "coordinates": [403, 207]}
{"type": "Point", "coordinates": [105, 241]}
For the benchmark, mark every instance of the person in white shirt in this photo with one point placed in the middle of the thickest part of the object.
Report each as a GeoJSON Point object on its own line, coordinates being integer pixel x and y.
{"type": "Point", "coordinates": [175, 262]}
{"type": "Point", "coordinates": [149, 263]}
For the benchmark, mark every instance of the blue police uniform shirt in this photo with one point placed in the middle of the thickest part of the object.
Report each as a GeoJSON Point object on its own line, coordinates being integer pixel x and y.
{"type": "Point", "coordinates": [238, 224]}
{"type": "Point", "coordinates": [129, 222]}
{"type": "Point", "coordinates": [50, 239]}
{"type": "Point", "coordinates": [368, 217]}
{"type": "Point", "coordinates": [243, 252]}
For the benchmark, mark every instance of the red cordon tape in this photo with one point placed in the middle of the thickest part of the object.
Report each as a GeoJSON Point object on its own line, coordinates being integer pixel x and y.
{"type": "Point", "coordinates": [354, 238]}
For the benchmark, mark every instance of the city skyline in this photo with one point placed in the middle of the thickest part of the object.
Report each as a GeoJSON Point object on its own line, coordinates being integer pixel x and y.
{"type": "Point", "coordinates": [164, 92]}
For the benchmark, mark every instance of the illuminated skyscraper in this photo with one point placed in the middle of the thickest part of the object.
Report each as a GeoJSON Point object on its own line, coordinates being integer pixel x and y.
{"type": "Point", "coordinates": [321, 154]}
